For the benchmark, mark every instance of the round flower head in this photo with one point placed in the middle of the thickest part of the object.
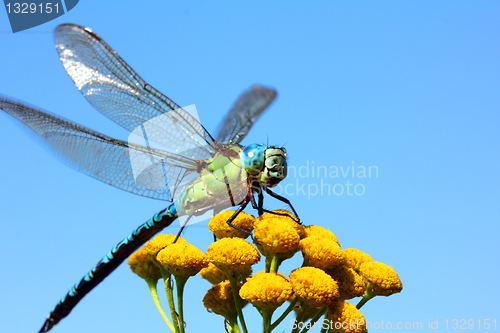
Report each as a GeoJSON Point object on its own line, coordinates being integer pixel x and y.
{"type": "Point", "coordinates": [232, 255]}
{"type": "Point", "coordinates": [275, 235]}
{"type": "Point", "coordinates": [214, 275]}
{"type": "Point", "coordinates": [219, 299]}
{"type": "Point", "coordinates": [354, 258]}
{"type": "Point", "coordinates": [218, 225]}
{"type": "Point", "coordinates": [266, 290]}
{"type": "Point", "coordinates": [314, 287]}
{"type": "Point", "coordinates": [294, 224]}
{"type": "Point", "coordinates": [141, 265]}
{"type": "Point", "coordinates": [321, 252]}
{"type": "Point", "coordinates": [380, 279]}
{"type": "Point", "coordinates": [161, 241]}
{"type": "Point", "coordinates": [319, 231]}
{"type": "Point", "coordinates": [346, 318]}
{"type": "Point", "coordinates": [350, 283]}
{"type": "Point", "coordinates": [182, 259]}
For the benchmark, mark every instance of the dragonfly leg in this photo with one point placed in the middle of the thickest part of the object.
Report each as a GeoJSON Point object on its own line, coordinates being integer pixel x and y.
{"type": "Point", "coordinates": [285, 200]}
{"type": "Point", "coordinates": [239, 210]}
{"type": "Point", "coordinates": [184, 225]}
{"type": "Point", "coordinates": [256, 187]}
{"type": "Point", "coordinates": [179, 233]}
{"type": "Point", "coordinates": [260, 206]}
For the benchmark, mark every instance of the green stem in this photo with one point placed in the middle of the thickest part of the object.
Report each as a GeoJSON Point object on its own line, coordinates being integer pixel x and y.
{"type": "Point", "coordinates": [169, 289]}
{"type": "Point", "coordinates": [274, 264]}
{"type": "Point", "coordinates": [233, 324]}
{"type": "Point", "coordinates": [366, 298]}
{"type": "Point", "coordinates": [314, 319]}
{"type": "Point", "coordinates": [285, 314]}
{"type": "Point", "coordinates": [234, 287]}
{"type": "Point", "coordinates": [152, 288]}
{"type": "Point", "coordinates": [266, 316]}
{"type": "Point", "coordinates": [180, 282]}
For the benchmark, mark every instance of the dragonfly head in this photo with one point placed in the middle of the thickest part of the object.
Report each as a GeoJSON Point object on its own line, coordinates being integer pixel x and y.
{"type": "Point", "coordinates": [268, 164]}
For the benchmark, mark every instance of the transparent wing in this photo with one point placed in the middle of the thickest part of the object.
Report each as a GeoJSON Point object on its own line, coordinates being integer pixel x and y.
{"type": "Point", "coordinates": [103, 157]}
{"type": "Point", "coordinates": [118, 92]}
{"type": "Point", "coordinates": [247, 109]}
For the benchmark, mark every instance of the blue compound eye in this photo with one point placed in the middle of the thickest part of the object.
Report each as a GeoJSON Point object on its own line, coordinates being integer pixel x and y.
{"type": "Point", "coordinates": [252, 158]}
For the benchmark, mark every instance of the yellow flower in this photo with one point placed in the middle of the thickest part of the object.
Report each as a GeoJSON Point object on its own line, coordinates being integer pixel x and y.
{"type": "Point", "coordinates": [214, 275]}
{"type": "Point", "coordinates": [266, 290]}
{"type": "Point", "coordinates": [275, 235]}
{"type": "Point", "coordinates": [218, 225]}
{"type": "Point", "coordinates": [232, 255]}
{"type": "Point", "coordinates": [141, 265]}
{"type": "Point", "coordinates": [161, 241]}
{"type": "Point", "coordinates": [313, 286]}
{"type": "Point", "coordinates": [323, 253]}
{"type": "Point", "coordinates": [350, 283]}
{"type": "Point", "coordinates": [354, 258]}
{"type": "Point", "coordinates": [344, 317]}
{"type": "Point", "coordinates": [182, 259]}
{"type": "Point", "coordinates": [319, 231]}
{"type": "Point", "coordinates": [219, 299]}
{"type": "Point", "coordinates": [294, 224]}
{"type": "Point", "coordinates": [380, 279]}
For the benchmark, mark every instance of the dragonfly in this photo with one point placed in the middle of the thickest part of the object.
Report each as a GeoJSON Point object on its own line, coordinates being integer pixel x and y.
{"type": "Point", "coordinates": [186, 167]}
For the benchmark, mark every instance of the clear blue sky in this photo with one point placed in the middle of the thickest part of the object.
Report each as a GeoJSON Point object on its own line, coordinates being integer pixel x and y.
{"type": "Point", "coordinates": [411, 87]}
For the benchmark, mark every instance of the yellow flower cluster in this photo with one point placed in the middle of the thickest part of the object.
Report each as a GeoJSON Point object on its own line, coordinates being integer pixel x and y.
{"type": "Point", "coordinates": [328, 277]}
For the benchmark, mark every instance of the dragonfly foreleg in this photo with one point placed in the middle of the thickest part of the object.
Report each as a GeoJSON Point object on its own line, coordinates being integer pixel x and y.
{"type": "Point", "coordinates": [242, 206]}
{"type": "Point", "coordinates": [179, 233]}
{"type": "Point", "coordinates": [257, 188]}
{"type": "Point", "coordinates": [260, 206]}
{"type": "Point", "coordinates": [285, 200]}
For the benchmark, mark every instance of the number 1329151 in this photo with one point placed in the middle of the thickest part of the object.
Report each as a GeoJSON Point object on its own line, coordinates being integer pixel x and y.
{"type": "Point", "coordinates": [463, 324]}
{"type": "Point", "coordinates": [32, 8]}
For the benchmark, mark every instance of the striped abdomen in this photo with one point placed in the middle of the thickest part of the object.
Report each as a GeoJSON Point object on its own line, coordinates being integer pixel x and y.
{"type": "Point", "coordinates": [109, 263]}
